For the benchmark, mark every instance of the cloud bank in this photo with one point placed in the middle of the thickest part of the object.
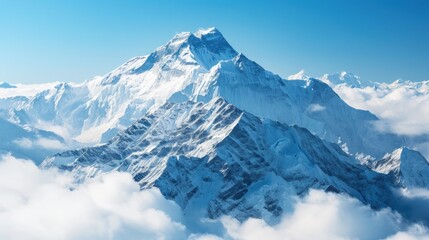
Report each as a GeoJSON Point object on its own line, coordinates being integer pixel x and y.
{"type": "Point", "coordinates": [403, 109]}
{"type": "Point", "coordinates": [323, 215]}
{"type": "Point", "coordinates": [46, 204]}
{"type": "Point", "coordinates": [41, 204]}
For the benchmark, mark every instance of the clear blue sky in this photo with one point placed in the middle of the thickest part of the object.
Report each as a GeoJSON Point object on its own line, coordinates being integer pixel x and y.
{"type": "Point", "coordinates": [379, 40]}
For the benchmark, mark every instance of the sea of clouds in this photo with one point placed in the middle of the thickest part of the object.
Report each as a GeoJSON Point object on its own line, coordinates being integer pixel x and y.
{"type": "Point", "coordinates": [402, 108]}
{"type": "Point", "coordinates": [46, 204]}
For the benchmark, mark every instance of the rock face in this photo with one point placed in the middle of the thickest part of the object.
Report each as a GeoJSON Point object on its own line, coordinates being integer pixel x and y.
{"type": "Point", "coordinates": [214, 159]}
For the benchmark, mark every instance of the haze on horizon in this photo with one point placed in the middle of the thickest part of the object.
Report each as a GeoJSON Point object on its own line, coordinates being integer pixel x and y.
{"type": "Point", "coordinates": [382, 40]}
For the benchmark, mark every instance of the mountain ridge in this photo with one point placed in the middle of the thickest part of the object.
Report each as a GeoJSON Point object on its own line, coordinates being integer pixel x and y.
{"type": "Point", "coordinates": [217, 156]}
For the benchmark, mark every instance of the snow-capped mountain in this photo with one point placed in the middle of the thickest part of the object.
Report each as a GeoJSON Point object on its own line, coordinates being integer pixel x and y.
{"type": "Point", "coordinates": [214, 159]}
{"type": "Point", "coordinates": [409, 167]}
{"type": "Point", "coordinates": [335, 79]}
{"type": "Point", "coordinates": [200, 67]}
{"type": "Point", "coordinates": [6, 85]}
{"type": "Point", "coordinates": [95, 110]}
{"type": "Point", "coordinates": [344, 78]}
{"type": "Point", "coordinates": [301, 75]}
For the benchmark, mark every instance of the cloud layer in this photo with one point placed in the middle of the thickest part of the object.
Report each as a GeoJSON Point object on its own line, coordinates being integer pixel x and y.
{"type": "Point", "coordinates": [40, 142]}
{"type": "Point", "coordinates": [46, 204]}
{"type": "Point", "coordinates": [403, 109]}
{"type": "Point", "coordinates": [40, 204]}
{"type": "Point", "coordinates": [323, 215]}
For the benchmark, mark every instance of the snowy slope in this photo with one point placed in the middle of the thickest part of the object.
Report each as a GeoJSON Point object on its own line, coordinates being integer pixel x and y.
{"type": "Point", "coordinates": [8, 90]}
{"type": "Point", "coordinates": [409, 168]}
{"type": "Point", "coordinates": [215, 159]}
{"type": "Point", "coordinates": [307, 103]}
{"type": "Point", "coordinates": [95, 110]}
{"type": "Point", "coordinates": [341, 78]}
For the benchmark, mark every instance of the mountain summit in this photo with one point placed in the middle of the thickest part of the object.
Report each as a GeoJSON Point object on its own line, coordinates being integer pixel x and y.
{"type": "Point", "coordinates": [348, 79]}
{"type": "Point", "coordinates": [301, 75]}
{"type": "Point", "coordinates": [6, 85]}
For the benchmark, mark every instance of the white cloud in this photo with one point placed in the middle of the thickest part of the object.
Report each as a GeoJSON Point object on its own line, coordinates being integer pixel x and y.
{"type": "Point", "coordinates": [204, 237]}
{"type": "Point", "coordinates": [24, 142]}
{"type": "Point", "coordinates": [415, 232]}
{"type": "Point", "coordinates": [50, 143]}
{"type": "Point", "coordinates": [40, 142]}
{"type": "Point", "coordinates": [46, 204]}
{"type": "Point", "coordinates": [316, 108]}
{"type": "Point", "coordinates": [41, 204]}
{"type": "Point", "coordinates": [402, 109]}
{"type": "Point", "coordinates": [323, 215]}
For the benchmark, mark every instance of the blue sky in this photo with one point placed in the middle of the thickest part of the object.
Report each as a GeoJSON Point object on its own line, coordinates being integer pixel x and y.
{"type": "Point", "coordinates": [380, 40]}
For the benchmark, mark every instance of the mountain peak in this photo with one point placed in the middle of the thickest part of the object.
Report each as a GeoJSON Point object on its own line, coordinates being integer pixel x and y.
{"type": "Point", "coordinates": [206, 46]}
{"type": "Point", "coordinates": [215, 41]}
{"type": "Point", "coordinates": [349, 79]}
{"type": "Point", "coordinates": [409, 167]}
{"type": "Point", "coordinates": [209, 32]}
{"type": "Point", "coordinates": [6, 85]}
{"type": "Point", "coordinates": [301, 75]}
{"type": "Point", "coordinates": [240, 57]}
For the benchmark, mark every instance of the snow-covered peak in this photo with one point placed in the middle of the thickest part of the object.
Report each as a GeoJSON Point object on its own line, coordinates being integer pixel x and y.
{"type": "Point", "coordinates": [419, 88]}
{"type": "Point", "coordinates": [345, 78]}
{"type": "Point", "coordinates": [185, 52]}
{"type": "Point", "coordinates": [215, 42]}
{"type": "Point", "coordinates": [6, 85]}
{"type": "Point", "coordinates": [301, 75]}
{"type": "Point", "coordinates": [409, 167]}
{"type": "Point", "coordinates": [210, 38]}
{"type": "Point", "coordinates": [209, 33]}
{"type": "Point", "coordinates": [181, 37]}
